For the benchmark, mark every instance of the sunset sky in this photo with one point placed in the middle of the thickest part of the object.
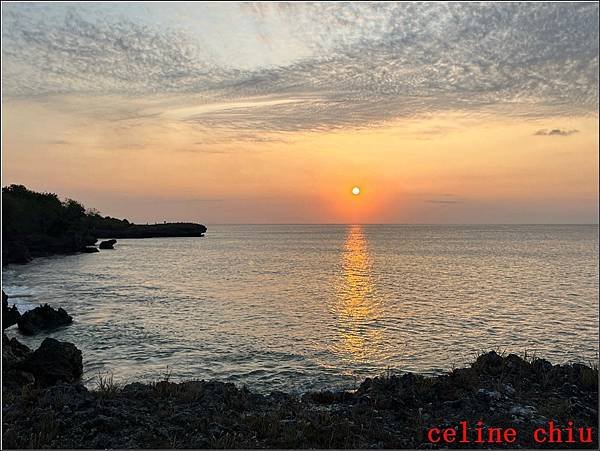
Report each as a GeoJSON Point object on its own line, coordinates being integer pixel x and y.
{"type": "Point", "coordinates": [272, 113]}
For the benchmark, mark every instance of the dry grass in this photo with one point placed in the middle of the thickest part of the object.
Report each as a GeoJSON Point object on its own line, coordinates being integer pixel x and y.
{"type": "Point", "coordinates": [106, 387]}
{"type": "Point", "coordinates": [47, 429]}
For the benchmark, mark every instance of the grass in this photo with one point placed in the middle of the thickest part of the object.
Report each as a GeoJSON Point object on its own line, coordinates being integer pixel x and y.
{"type": "Point", "coordinates": [47, 430]}
{"type": "Point", "coordinates": [106, 387]}
{"type": "Point", "coordinates": [395, 410]}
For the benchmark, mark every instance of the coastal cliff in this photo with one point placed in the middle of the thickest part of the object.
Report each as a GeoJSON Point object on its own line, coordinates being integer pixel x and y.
{"type": "Point", "coordinates": [40, 224]}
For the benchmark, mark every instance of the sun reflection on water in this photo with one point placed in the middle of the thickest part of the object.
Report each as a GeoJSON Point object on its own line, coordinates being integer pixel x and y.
{"type": "Point", "coordinates": [356, 306]}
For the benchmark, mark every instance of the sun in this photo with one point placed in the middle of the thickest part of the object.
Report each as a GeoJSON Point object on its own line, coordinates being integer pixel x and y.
{"type": "Point", "coordinates": [356, 190]}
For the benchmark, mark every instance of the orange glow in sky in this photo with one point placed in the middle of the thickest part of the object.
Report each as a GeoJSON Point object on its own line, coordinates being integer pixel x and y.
{"type": "Point", "coordinates": [238, 114]}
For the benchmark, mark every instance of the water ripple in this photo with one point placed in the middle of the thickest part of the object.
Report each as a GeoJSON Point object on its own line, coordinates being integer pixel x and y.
{"type": "Point", "coordinates": [308, 307]}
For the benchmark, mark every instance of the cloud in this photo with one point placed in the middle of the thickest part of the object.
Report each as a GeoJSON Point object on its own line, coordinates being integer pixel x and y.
{"type": "Point", "coordinates": [60, 142]}
{"type": "Point", "coordinates": [443, 201]}
{"type": "Point", "coordinates": [556, 132]}
{"type": "Point", "coordinates": [357, 64]}
{"type": "Point", "coordinates": [446, 198]}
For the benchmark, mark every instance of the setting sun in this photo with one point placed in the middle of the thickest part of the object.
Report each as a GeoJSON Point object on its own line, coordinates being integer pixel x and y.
{"type": "Point", "coordinates": [316, 192]}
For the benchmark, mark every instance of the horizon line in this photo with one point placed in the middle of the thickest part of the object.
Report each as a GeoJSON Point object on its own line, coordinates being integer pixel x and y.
{"type": "Point", "coordinates": [406, 223]}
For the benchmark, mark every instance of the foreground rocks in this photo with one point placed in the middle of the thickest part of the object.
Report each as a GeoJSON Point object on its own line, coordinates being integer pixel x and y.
{"type": "Point", "coordinates": [384, 412]}
{"type": "Point", "coordinates": [13, 354]}
{"type": "Point", "coordinates": [10, 315]}
{"type": "Point", "coordinates": [43, 318]}
{"type": "Point", "coordinates": [53, 362]}
{"type": "Point", "coordinates": [108, 244]}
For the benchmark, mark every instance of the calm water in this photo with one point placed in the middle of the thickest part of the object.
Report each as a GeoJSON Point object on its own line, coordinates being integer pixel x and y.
{"type": "Point", "coordinates": [304, 307]}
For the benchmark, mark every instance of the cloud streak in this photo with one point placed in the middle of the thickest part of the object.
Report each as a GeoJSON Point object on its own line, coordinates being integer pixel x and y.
{"type": "Point", "coordinates": [556, 132]}
{"type": "Point", "coordinates": [443, 201]}
{"type": "Point", "coordinates": [358, 65]}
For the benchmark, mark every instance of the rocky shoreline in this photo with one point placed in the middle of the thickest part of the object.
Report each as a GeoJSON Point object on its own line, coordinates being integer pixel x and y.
{"type": "Point", "coordinates": [45, 406]}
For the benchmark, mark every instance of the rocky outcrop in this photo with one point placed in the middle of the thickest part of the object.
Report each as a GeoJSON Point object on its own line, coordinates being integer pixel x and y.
{"type": "Point", "coordinates": [108, 244]}
{"type": "Point", "coordinates": [43, 318]}
{"type": "Point", "coordinates": [10, 315]}
{"type": "Point", "coordinates": [53, 362]}
{"type": "Point", "coordinates": [172, 229]}
{"type": "Point", "coordinates": [89, 249]}
{"type": "Point", "coordinates": [13, 354]}
{"type": "Point", "coordinates": [392, 411]}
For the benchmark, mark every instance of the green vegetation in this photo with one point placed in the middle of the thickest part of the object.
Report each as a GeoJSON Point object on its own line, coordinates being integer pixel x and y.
{"type": "Point", "coordinates": [106, 387]}
{"type": "Point", "coordinates": [36, 224]}
{"type": "Point", "coordinates": [39, 224]}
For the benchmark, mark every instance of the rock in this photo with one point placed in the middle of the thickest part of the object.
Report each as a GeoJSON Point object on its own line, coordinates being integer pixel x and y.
{"type": "Point", "coordinates": [14, 379]}
{"type": "Point", "coordinates": [54, 361]}
{"type": "Point", "coordinates": [388, 412]}
{"type": "Point", "coordinates": [523, 411]}
{"type": "Point", "coordinates": [516, 365]}
{"type": "Point", "coordinates": [108, 244]}
{"type": "Point", "coordinates": [508, 389]}
{"type": "Point", "coordinates": [14, 353]}
{"type": "Point", "coordinates": [489, 395]}
{"type": "Point", "coordinates": [74, 396]}
{"type": "Point", "coordinates": [490, 363]}
{"type": "Point", "coordinates": [10, 315]}
{"type": "Point", "coordinates": [322, 397]}
{"type": "Point", "coordinates": [541, 366]}
{"type": "Point", "coordinates": [89, 249]}
{"type": "Point", "coordinates": [43, 318]}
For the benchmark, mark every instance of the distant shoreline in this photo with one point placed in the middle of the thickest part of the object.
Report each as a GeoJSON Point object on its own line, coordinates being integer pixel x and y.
{"type": "Point", "coordinates": [40, 224]}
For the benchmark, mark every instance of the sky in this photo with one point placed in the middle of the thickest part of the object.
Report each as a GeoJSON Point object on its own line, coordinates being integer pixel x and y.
{"type": "Point", "coordinates": [272, 112]}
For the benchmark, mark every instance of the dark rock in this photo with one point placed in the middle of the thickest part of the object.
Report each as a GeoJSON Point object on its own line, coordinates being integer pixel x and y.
{"type": "Point", "coordinates": [10, 315]}
{"type": "Point", "coordinates": [108, 244]}
{"type": "Point", "coordinates": [42, 318]}
{"type": "Point", "coordinates": [89, 249]}
{"type": "Point", "coordinates": [541, 366]}
{"type": "Point", "coordinates": [322, 397]}
{"type": "Point", "coordinates": [14, 353]}
{"type": "Point", "coordinates": [134, 389]}
{"type": "Point", "coordinates": [54, 361]}
{"type": "Point", "coordinates": [490, 363]}
{"type": "Point", "coordinates": [517, 365]}
{"type": "Point", "coordinates": [385, 412]}
{"type": "Point", "coordinates": [76, 396]}
{"type": "Point", "coordinates": [14, 379]}
{"type": "Point", "coordinates": [489, 395]}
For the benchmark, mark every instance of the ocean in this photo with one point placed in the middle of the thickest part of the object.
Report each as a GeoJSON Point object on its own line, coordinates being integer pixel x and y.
{"type": "Point", "coordinates": [306, 307]}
